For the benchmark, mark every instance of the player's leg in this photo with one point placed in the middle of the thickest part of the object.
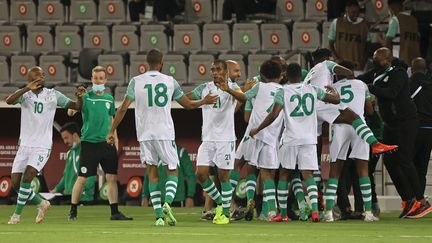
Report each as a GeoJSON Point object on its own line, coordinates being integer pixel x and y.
{"type": "Point", "coordinates": [251, 184]}
{"type": "Point", "coordinates": [155, 193]}
{"type": "Point", "coordinates": [307, 163]}
{"type": "Point", "coordinates": [366, 190]}
{"type": "Point", "coordinates": [297, 187]}
{"type": "Point", "coordinates": [282, 192]}
{"type": "Point", "coordinates": [235, 173]}
{"type": "Point", "coordinates": [331, 188]}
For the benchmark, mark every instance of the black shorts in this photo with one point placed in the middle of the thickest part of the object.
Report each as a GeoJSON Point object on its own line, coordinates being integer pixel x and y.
{"type": "Point", "coordinates": [93, 154]}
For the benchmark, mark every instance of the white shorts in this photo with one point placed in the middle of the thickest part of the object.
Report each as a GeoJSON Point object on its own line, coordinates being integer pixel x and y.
{"type": "Point", "coordinates": [327, 113]}
{"type": "Point", "coordinates": [159, 152]}
{"type": "Point", "coordinates": [245, 148]}
{"type": "Point", "coordinates": [35, 157]}
{"type": "Point", "coordinates": [305, 156]}
{"type": "Point", "coordinates": [219, 154]}
{"type": "Point", "coordinates": [345, 137]}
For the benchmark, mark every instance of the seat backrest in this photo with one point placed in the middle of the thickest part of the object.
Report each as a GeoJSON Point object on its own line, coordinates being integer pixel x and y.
{"type": "Point", "coordinates": [175, 66]}
{"type": "Point", "coordinates": [6, 91]}
{"type": "Point", "coordinates": [55, 69]}
{"type": "Point", "coordinates": [4, 12]}
{"type": "Point", "coordinates": [254, 63]}
{"type": "Point", "coordinates": [97, 36]}
{"type": "Point", "coordinates": [153, 36]}
{"type": "Point", "coordinates": [138, 65]}
{"type": "Point", "coordinates": [316, 10]}
{"type": "Point", "coordinates": [219, 10]}
{"type": "Point", "coordinates": [88, 59]}
{"type": "Point", "coordinates": [305, 36]}
{"type": "Point", "coordinates": [19, 68]}
{"type": "Point", "coordinates": [198, 11]}
{"type": "Point", "coordinates": [10, 39]}
{"type": "Point", "coordinates": [238, 58]}
{"type": "Point", "coordinates": [199, 68]}
{"type": "Point", "coordinates": [4, 70]}
{"type": "Point", "coordinates": [22, 12]}
{"type": "Point", "coordinates": [39, 39]}
{"type": "Point", "coordinates": [187, 38]}
{"type": "Point", "coordinates": [290, 10]}
{"type": "Point", "coordinates": [246, 37]}
{"type": "Point", "coordinates": [124, 38]}
{"type": "Point", "coordinates": [376, 10]}
{"type": "Point", "coordinates": [275, 37]}
{"type": "Point", "coordinates": [112, 11]}
{"type": "Point", "coordinates": [324, 37]}
{"type": "Point", "coordinates": [115, 68]}
{"type": "Point", "coordinates": [120, 92]}
{"type": "Point", "coordinates": [216, 37]}
{"type": "Point", "coordinates": [67, 39]}
{"type": "Point", "coordinates": [68, 91]}
{"type": "Point", "coordinates": [83, 11]}
{"type": "Point", "coordinates": [51, 12]}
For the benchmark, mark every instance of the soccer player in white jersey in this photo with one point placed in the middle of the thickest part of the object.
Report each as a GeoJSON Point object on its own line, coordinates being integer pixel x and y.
{"type": "Point", "coordinates": [321, 75]}
{"type": "Point", "coordinates": [218, 137]}
{"type": "Point", "coordinates": [152, 93]}
{"type": "Point", "coordinates": [355, 95]}
{"type": "Point", "coordinates": [261, 152]}
{"type": "Point", "coordinates": [38, 107]}
{"type": "Point", "coordinates": [299, 138]}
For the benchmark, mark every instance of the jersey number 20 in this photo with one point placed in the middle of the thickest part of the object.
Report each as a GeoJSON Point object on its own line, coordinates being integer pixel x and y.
{"type": "Point", "coordinates": [301, 108]}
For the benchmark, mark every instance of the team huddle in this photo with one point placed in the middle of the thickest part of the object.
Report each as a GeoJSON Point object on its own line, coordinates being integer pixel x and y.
{"type": "Point", "coordinates": [284, 112]}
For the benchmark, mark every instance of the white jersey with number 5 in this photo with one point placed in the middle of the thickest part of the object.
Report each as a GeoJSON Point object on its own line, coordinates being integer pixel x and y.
{"type": "Point", "coordinates": [353, 94]}
{"type": "Point", "coordinates": [300, 117]}
{"type": "Point", "coordinates": [321, 74]}
{"type": "Point", "coordinates": [264, 93]}
{"type": "Point", "coordinates": [218, 118]}
{"type": "Point", "coordinates": [37, 117]}
{"type": "Point", "coordinates": [152, 93]}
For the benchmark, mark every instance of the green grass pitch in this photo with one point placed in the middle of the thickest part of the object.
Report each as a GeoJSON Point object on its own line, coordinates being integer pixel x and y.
{"type": "Point", "coordinates": [93, 225]}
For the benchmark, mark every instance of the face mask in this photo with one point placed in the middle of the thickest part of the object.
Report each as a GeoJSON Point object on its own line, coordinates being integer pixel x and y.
{"type": "Point", "coordinates": [98, 87]}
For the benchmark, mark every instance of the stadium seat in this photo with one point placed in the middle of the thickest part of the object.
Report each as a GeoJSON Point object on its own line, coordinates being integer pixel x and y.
{"type": "Point", "coordinates": [219, 10]}
{"type": "Point", "coordinates": [324, 37]}
{"type": "Point", "coordinates": [10, 39]}
{"type": "Point", "coordinates": [238, 58]}
{"type": "Point", "coordinates": [316, 10]}
{"type": "Point", "coordinates": [175, 66]}
{"type": "Point", "coordinates": [83, 11]}
{"type": "Point", "coordinates": [376, 10]}
{"type": "Point", "coordinates": [199, 68]}
{"type": "Point", "coordinates": [4, 12]}
{"type": "Point", "coordinates": [68, 39]}
{"type": "Point", "coordinates": [19, 68]}
{"type": "Point", "coordinates": [39, 39]}
{"type": "Point", "coordinates": [97, 36]}
{"type": "Point", "coordinates": [4, 70]}
{"type": "Point", "coordinates": [6, 91]}
{"type": "Point", "coordinates": [216, 37]}
{"type": "Point", "coordinates": [187, 38]}
{"type": "Point", "coordinates": [88, 58]}
{"type": "Point", "coordinates": [246, 37]}
{"type": "Point", "coordinates": [68, 91]}
{"type": "Point", "coordinates": [198, 11]}
{"type": "Point", "coordinates": [51, 12]}
{"type": "Point", "coordinates": [22, 12]}
{"type": "Point", "coordinates": [124, 38]}
{"type": "Point", "coordinates": [119, 93]}
{"type": "Point", "coordinates": [138, 65]}
{"type": "Point", "coordinates": [55, 68]}
{"type": "Point", "coordinates": [112, 11]}
{"type": "Point", "coordinates": [275, 38]}
{"type": "Point", "coordinates": [287, 10]}
{"type": "Point", "coordinates": [153, 36]}
{"type": "Point", "coordinates": [115, 68]}
{"type": "Point", "coordinates": [254, 63]}
{"type": "Point", "coordinates": [305, 36]}
{"type": "Point", "coordinates": [297, 58]}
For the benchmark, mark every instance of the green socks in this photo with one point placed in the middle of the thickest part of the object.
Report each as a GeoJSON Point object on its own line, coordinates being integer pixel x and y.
{"type": "Point", "coordinates": [282, 196]}
{"type": "Point", "coordinates": [330, 193]}
{"type": "Point", "coordinates": [155, 198]}
{"type": "Point", "coordinates": [364, 132]}
{"type": "Point", "coordinates": [170, 188]}
{"type": "Point", "coordinates": [365, 187]}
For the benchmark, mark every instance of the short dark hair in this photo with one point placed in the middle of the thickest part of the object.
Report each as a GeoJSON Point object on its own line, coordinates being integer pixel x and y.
{"type": "Point", "coordinates": [293, 71]}
{"type": "Point", "coordinates": [352, 3]}
{"type": "Point", "coordinates": [270, 70]}
{"type": "Point", "coordinates": [321, 53]}
{"type": "Point", "coordinates": [71, 127]}
{"type": "Point", "coordinates": [154, 57]}
{"type": "Point", "coordinates": [222, 62]}
{"type": "Point", "coordinates": [347, 64]}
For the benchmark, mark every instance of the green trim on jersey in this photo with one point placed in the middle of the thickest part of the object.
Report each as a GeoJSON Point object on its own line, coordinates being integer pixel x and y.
{"type": "Point", "coordinates": [330, 65]}
{"type": "Point", "coordinates": [62, 100]}
{"type": "Point", "coordinates": [257, 78]}
{"type": "Point", "coordinates": [320, 92]}
{"type": "Point", "coordinates": [248, 106]}
{"type": "Point", "coordinates": [280, 97]}
{"type": "Point", "coordinates": [96, 115]}
{"type": "Point", "coordinates": [252, 93]}
{"type": "Point", "coordinates": [196, 93]}
{"type": "Point", "coordinates": [393, 28]}
{"type": "Point", "coordinates": [130, 92]}
{"type": "Point", "coordinates": [178, 92]}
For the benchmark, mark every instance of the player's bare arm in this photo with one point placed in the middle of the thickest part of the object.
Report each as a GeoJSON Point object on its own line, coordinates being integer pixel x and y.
{"type": "Point", "coordinates": [189, 104]}
{"type": "Point", "coordinates": [342, 71]}
{"type": "Point", "coordinates": [33, 86]}
{"type": "Point", "coordinates": [277, 108]}
{"type": "Point", "coordinates": [237, 93]}
{"type": "Point", "coordinates": [76, 105]}
{"type": "Point", "coordinates": [332, 96]}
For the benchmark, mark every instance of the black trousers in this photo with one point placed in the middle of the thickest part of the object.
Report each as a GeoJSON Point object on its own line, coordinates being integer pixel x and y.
{"type": "Point", "coordinates": [400, 164]}
{"type": "Point", "coordinates": [422, 152]}
{"type": "Point", "coordinates": [347, 180]}
{"type": "Point", "coordinates": [373, 161]}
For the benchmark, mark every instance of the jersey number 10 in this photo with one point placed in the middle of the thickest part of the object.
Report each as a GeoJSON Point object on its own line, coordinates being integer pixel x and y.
{"type": "Point", "coordinates": [38, 107]}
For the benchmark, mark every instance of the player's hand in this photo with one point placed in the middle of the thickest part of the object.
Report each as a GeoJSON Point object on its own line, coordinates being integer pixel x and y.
{"type": "Point", "coordinates": [330, 89]}
{"type": "Point", "coordinates": [35, 84]}
{"type": "Point", "coordinates": [253, 132]}
{"type": "Point", "coordinates": [221, 83]}
{"type": "Point", "coordinates": [110, 139]}
{"type": "Point", "coordinates": [80, 91]}
{"type": "Point", "coordinates": [210, 99]}
{"type": "Point", "coordinates": [248, 85]}
{"type": "Point", "coordinates": [189, 203]}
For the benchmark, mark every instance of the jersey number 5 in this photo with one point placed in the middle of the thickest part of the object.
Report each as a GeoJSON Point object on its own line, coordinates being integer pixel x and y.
{"type": "Point", "coordinates": [345, 90]}
{"type": "Point", "coordinates": [161, 97]}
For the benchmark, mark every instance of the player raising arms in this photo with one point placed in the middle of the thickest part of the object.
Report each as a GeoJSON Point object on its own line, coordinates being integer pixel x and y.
{"type": "Point", "coordinates": [152, 93]}
{"type": "Point", "coordinates": [38, 107]}
{"type": "Point", "coordinates": [218, 137]}
{"type": "Point", "coordinates": [299, 138]}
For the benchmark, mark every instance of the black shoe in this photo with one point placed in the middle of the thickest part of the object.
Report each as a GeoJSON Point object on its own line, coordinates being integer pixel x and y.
{"type": "Point", "coordinates": [72, 217]}
{"type": "Point", "coordinates": [292, 215]}
{"type": "Point", "coordinates": [237, 214]}
{"type": "Point", "coordinates": [406, 208]}
{"type": "Point", "coordinates": [120, 216]}
{"type": "Point", "coordinates": [209, 215]}
{"type": "Point", "coordinates": [355, 215]}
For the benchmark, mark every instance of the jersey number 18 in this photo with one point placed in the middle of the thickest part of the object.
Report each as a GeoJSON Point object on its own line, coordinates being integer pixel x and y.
{"type": "Point", "coordinates": [161, 97]}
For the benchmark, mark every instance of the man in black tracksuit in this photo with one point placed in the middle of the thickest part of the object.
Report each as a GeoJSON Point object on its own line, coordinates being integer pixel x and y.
{"type": "Point", "coordinates": [421, 92]}
{"type": "Point", "coordinates": [399, 114]}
